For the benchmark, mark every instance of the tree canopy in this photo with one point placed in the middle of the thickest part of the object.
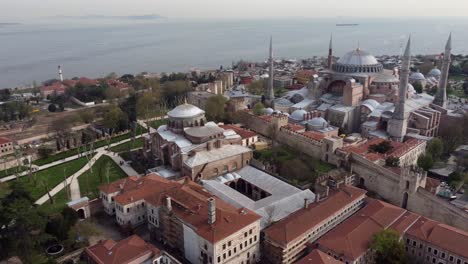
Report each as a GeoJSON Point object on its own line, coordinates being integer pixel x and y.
{"type": "Point", "coordinates": [215, 108]}
{"type": "Point", "coordinates": [388, 248]}
{"type": "Point", "coordinates": [258, 109]}
{"type": "Point", "coordinates": [425, 161]}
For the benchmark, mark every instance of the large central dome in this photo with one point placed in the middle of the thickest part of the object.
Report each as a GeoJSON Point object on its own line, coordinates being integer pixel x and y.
{"type": "Point", "coordinates": [358, 61]}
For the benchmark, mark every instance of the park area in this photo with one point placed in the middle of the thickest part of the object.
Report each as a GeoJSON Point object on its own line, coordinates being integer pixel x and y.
{"type": "Point", "coordinates": [298, 168]}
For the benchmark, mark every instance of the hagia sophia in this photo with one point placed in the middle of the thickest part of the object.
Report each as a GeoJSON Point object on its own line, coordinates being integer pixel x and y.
{"type": "Point", "coordinates": [356, 94]}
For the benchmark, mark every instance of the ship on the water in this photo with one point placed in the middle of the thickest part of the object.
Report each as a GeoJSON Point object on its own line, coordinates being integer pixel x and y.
{"type": "Point", "coordinates": [346, 25]}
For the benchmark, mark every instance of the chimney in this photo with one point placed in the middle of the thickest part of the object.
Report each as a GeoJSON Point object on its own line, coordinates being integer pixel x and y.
{"type": "Point", "coordinates": [209, 145]}
{"type": "Point", "coordinates": [168, 203]}
{"type": "Point", "coordinates": [306, 205]}
{"type": "Point", "coordinates": [211, 211]}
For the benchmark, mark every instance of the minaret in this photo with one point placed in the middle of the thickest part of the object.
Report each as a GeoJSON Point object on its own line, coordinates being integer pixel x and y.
{"type": "Point", "coordinates": [270, 95]}
{"type": "Point", "coordinates": [330, 53]}
{"type": "Point", "coordinates": [398, 124]}
{"type": "Point", "coordinates": [60, 73]}
{"type": "Point", "coordinates": [441, 96]}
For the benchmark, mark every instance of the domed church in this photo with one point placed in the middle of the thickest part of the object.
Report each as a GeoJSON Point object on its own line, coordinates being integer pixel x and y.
{"type": "Point", "coordinates": [341, 94]}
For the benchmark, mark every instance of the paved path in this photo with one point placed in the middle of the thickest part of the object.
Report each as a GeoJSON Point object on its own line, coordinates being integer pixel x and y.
{"type": "Point", "coordinates": [73, 179]}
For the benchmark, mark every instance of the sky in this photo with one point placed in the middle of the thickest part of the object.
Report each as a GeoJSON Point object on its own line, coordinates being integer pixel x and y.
{"type": "Point", "coordinates": [17, 10]}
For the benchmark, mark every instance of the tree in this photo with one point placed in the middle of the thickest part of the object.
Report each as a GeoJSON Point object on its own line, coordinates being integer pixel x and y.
{"type": "Point", "coordinates": [115, 120]}
{"type": "Point", "coordinates": [382, 147]}
{"type": "Point", "coordinates": [215, 108]}
{"type": "Point", "coordinates": [388, 248]}
{"type": "Point", "coordinates": [52, 108]}
{"type": "Point", "coordinates": [392, 161]}
{"type": "Point", "coordinates": [435, 148]}
{"type": "Point", "coordinates": [256, 87]}
{"type": "Point", "coordinates": [418, 87]}
{"type": "Point", "coordinates": [5, 94]}
{"type": "Point", "coordinates": [22, 225]}
{"type": "Point", "coordinates": [174, 92]}
{"type": "Point", "coordinates": [425, 161]}
{"type": "Point", "coordinates": [258, 109]}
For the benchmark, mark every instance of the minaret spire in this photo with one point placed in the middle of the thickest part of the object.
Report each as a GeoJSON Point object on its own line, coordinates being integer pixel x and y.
{"type": "Point", "coordinates": [399, 122]}
{"type": "Point", "coordinates": [270, 92]}
{"type": "Point", "coordinates": [441, 96]}
{"type": "Point", "coordinates": [60, 73]}
{"type": "Point", "coordinates": [330, 53]}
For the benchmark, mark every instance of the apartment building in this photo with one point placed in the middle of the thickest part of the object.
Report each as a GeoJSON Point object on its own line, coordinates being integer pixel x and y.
{"type": "Point", "coordinates": [186, 217]}
{"type": "Point", "coordinates": [286, 241]}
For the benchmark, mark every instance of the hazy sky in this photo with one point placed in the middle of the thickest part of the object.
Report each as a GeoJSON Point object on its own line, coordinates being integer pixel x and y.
{"type": "Point", "coordinates": [26, 9]}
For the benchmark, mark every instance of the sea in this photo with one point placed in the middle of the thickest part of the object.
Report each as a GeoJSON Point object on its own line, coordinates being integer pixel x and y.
{"type": "Point", "coordinates": [31, 50]}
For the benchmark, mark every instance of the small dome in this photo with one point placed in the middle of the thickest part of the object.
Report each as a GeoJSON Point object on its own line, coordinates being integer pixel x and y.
{"type": "Point", "coordinates": [185, 111]}
{"type": "Point", "coordinates": [283, 101]}
{"type": "Point", "coordinates": [297, 98]}
{"type": "Point", "coordinates": [417, 76]}
{"type": "Point", "coordinates": [298, 115]}
{"type": "Point", "coordinates": [318, 122]}
{"type": "Point", "coordinates": [268, 111]}
{"type": "Point", "coordinates": [435, 73]}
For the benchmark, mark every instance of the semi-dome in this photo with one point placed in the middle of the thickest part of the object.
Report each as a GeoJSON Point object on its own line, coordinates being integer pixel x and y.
{"type": "Point", "coordinates": [371, 104]}
{"type": "Point", "coordinates": [358, 61]}
{"type": "Point", "coordinates": [185, 111]}
{"type": "Point", "coordinates": [298, 115]}
{"type": "Point", "coordinates": [411, 89]}
{"type": "Point", "coordinates": [317, 123]}
{"type": "Point", "coordinates": [417, 76]}
{"type": "Point", "coordinates": [435, 73]}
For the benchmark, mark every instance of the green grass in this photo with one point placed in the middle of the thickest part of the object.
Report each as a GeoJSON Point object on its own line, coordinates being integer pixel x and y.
{"type": "Point", "coordinates": [60, 200]}
{"type": "Point", "coordinates": [89, 182]}
{"type": "Point", "coordinates": [11, 171]}
{"type": "Point", "coordinates": [101, 143]}
{"type": "Point", "coordinates": [51, 176]}
{"type": "Point", "coordinates": [128, 145]}
{"type": "Point", "coordinates": [157, 123]}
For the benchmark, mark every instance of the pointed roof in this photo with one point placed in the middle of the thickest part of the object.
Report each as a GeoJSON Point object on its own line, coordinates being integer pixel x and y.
{"type": "Point", "coordinates": [331, 42]}
{"type": "Point", "coordinates": [448, 46]}
{"type": "Point", "coordinates": [408, 48]}
{"type": "Point", "coordinates": [271, 47]}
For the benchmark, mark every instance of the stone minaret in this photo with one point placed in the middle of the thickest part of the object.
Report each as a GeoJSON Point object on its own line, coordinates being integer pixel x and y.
{"type": "Point", "coordinates": [441, 96]}
{"type": "Point", "coordinates": [330, 53]}
{"type": "Point", "coordinates": [398, 123]}
{"type": "Point", "coordinates": [60, 73]}
{"type": "Point", "coordinates": [270, 94]}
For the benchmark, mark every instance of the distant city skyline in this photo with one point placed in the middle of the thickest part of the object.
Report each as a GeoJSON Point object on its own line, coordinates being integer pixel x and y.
{"type": "Point", "coordinates": [31, 9]}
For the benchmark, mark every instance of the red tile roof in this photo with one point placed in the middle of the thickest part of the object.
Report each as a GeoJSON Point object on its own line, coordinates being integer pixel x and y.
{"type": "Point", "coordinates": [303, 220]}
{"type": "Point", "coordinates": [352, 238]}
{"type": "Point", "coordinates": [398, 148]}
{"type": "Point", "coordinates": [244, 133]}
{"type": "Point", "coordinates": [122, 252]}
{"type": "Point", "coordinates": [441, 235]}
{"type": "Point", "coordinates": [314, 135]}
{"type": "Point", "coordinates": [189, 204]}
{"type": "Point", "coordinates": [56, 86]}
{"type": "Point", "coordinates": [318, 257]}
{"type": "Point", "coordinates": [4, 140]}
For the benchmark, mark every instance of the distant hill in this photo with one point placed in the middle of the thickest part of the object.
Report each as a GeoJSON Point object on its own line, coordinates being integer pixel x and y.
{"type": "Point", "coordinates": [8, 24]}
{"type": "Point", "coordinates": [134, 17]}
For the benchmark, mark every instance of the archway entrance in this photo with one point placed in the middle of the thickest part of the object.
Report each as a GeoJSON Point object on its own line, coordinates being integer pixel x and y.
{"type": "Point", "coordinates": [362, 183]}
{"type": "Point", "coordinates": [81, 213]}
{"type": "Point", "coordinates": [405, 201]}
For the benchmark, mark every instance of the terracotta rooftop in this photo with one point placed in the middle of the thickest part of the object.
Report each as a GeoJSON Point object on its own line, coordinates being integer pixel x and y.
{"type": "Point", "coordinates": [56, 86]}
{"type": "Point", "coordinates": [122, 252]}
{"type": "Point", "coordinates": [244, 133]}
{"type": "Point", "coordinates": [189, 203]}
{"type": "Point", "coordinates": [294, 127]}
{"type": "Point", "coordinates": [441, 235]}
{"type": "Point", "coordinates": [4, 140]}
{"type": "Point", "coordinates": [352, 238]}
{"type": "Point", "coordinates": [313, 135]}
{"type": "Point", "coordinates": [398, 148]}
{"type": "Point", "coordinates": [431, 184]}
{"type": "Point", "coordinates": [303, 220]}
{"type": "Point", "coordinates": [318, 257]}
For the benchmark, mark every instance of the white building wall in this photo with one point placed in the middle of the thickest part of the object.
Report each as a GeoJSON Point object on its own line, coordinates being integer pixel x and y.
{"type": "Point", "coordinates": [191, 247]}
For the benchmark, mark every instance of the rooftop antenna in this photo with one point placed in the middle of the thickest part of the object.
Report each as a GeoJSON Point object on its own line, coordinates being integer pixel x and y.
{"type": "Point", "coordinates": [358, 46]}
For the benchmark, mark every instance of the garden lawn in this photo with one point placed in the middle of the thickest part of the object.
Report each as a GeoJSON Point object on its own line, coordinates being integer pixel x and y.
{"type": "Point", "coordinates": [157, 123]}
{"type": "Point", "coordinates": [128, 146]}
{"type": "Point", "coordinates": [51, 176]}
{"type": "Point", "coordinates": [89, 182]}
{"type": "Point", "coordinates": [11, 171]}
{"type": "Point", "coordinates": [60, 200]}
